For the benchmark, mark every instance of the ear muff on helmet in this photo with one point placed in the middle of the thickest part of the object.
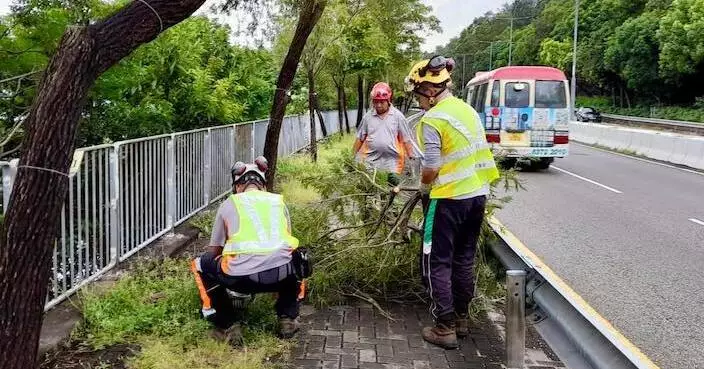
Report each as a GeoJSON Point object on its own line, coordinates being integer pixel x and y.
{"type": "Point", "coordinates": [244, 173]}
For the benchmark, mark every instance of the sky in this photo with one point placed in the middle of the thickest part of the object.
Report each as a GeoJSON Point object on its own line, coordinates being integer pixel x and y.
{"type": "Point", "coordinates": [454, 16]}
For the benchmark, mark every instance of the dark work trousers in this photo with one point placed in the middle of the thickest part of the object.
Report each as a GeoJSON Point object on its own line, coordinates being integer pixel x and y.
{"type": "Point", "coordinates": [451, 233]}
{"type": "Point", "coordinates": [211, 282]}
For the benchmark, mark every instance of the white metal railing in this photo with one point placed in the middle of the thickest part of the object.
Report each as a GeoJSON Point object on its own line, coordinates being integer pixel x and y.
{"type": "Point", "coordinates": [125, 195]}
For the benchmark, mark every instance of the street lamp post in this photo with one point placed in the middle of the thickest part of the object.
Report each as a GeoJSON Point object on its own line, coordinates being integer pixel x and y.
{"type": "Point", "coordinates": [491, 56]}
{"type": "Point", "coordinates": [510, 44]}
{"type": "Point", "coordinates": [574, 59]}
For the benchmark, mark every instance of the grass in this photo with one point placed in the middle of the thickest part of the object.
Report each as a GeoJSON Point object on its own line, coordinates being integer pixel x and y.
{"type": "Point", "coordinates": [156, 306]}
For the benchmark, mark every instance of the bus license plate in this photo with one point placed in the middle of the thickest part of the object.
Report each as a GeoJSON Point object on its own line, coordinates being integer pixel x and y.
{"type": "Point", "coordinates": [548, 152]}
{"type": "Point", "coordinates": [515, 137]}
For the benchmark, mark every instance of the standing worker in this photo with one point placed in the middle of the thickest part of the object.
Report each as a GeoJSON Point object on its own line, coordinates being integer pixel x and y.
{"type": "Point", "coordinates": [457, 170]}
{"type": "Point", "coordinates": [383, 141]}
{"type": "Point", "coordinates": [251, 251]}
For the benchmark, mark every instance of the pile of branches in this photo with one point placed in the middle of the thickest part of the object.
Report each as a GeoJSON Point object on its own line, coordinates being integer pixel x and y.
{"type": "Point", "coordinates": [365, 234]}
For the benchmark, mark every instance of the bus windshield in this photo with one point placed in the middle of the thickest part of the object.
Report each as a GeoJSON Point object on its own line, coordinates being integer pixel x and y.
{"type": "Point", "coordinates": [550, 94]}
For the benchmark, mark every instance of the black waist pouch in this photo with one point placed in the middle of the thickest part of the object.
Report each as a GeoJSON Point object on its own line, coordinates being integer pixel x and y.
{"type": "Point", "coordinates": [302, 263]}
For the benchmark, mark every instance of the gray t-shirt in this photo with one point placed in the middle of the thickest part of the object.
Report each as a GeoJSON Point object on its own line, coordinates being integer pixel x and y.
{"type": "Point", "coordinates": [227, 223]}
{"type": "Point", "coordinates": [383, 140]}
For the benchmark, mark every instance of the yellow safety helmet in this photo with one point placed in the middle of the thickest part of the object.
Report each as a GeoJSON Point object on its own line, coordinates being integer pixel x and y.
{"type": "Point", "coordinates": [435, 71]}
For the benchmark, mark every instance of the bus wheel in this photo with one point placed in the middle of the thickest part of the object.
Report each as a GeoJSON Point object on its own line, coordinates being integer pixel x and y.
{"type": "Point", "coordinates": [544, 163]}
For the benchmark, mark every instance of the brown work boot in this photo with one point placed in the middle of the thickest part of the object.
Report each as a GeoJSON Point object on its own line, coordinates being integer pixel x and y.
{"type": "Point", "coordinates": [462, 326]}
{"type": "Point", "coordinates": [442, 335]}
{"type": "Point", "coordinates": [232, 335]}
{"type": "Point", "coordinates": [287, 327]}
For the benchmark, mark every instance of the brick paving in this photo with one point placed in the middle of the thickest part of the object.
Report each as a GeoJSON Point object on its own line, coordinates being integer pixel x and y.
{"type": "Point", "coordinates": [358, 337]}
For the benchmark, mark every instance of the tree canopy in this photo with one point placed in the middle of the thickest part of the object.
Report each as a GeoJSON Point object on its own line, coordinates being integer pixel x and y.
{"type": "Point", "coordinates": [650, 49]}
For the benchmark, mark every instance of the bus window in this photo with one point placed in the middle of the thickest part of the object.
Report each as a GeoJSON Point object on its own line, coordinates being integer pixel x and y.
{"type": "Point", "coordinates": [481, 101]}
{"type": "Point", "coordinates": [470, 95]}
{"type": "Point", "coordinates": [475, 96]}
{"type": "Point", "coordinates": [495, 94]}
{"type": "Point", "coordinates": [517, 95]}
{"type": "Point", "coordinates": [550, 94]}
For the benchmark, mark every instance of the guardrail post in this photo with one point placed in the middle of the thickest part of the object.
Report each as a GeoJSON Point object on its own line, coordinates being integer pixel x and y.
{"type": "Point", "coordinates": [207, 155]}
{"type": "Point", "coordinates": [171, 183]}
{"type": "Point", "coordinates": [515, 318]}
{"type": "Point", "coordinates": [115, 214]}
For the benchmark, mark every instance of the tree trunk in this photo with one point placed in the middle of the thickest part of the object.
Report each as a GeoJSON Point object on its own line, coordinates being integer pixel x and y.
{"type": "Point", "coordinates": [309, 15]}
{"type": "Point", "coordinates": [628, 99]}
{"type": "Point", "coordinates": [323, 128]}
{"type": "Point", "coordinates": [311, 110]}
{"type": "Point", "coordinates": [344, 108]}
{"type": "Point", "coordinates": [360, 101]}
{"type": "Point", "coordinates": [340, 117]}
{"type": "Point", "coordinates": [32, 220]}
{"type": "Point", "coordinates": [367, 92]}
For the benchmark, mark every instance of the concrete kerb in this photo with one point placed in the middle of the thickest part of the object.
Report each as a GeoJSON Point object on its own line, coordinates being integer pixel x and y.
{"type": "Point", "coordinates": [679, 152]}
{"type": "Point", "coordinates": [60, 322]}
{"type": "Point", "coordinates": [641, 143]}
{"type": "Point", "coordinates": [666, 147]}
{"type": "Point", "coordinates": [662, 147]}
{"type": "Point", "coordinates": [695, 153]}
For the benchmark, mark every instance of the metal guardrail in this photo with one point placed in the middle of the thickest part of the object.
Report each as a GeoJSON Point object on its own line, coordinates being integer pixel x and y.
{"type": "Point", "coordinates": [581, 337]}
{"type": "Point", "coordinates": [125, 195]}
{"type": "Point", "coordinates": [672, 125]}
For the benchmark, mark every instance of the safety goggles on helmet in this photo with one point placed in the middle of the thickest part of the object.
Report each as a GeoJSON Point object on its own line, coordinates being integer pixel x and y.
{"type": "Point", "coordinates": [435, 71]}
{"type": "Point", "coordinates": [436, 64]}
{"type": "Point", "coordinates": [241, 171]}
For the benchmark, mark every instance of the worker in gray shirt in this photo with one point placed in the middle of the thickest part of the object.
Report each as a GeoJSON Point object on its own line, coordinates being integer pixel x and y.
{"type": "Point", "coordinates": [384, 141]}
{"type": "Point", "coordinates": [251, 251]}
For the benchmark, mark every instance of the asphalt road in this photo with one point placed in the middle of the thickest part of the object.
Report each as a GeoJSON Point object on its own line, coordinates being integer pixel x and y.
{"type": "Point", "coordinates": [628, 236]}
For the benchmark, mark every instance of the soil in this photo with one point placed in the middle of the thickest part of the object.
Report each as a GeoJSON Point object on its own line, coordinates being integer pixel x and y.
{"type": "Point", "coordinates": [76, 356]}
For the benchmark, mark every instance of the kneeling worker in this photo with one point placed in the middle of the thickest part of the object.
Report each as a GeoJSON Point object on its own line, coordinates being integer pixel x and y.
{"type": "Point", "coordinates": [251, 251]}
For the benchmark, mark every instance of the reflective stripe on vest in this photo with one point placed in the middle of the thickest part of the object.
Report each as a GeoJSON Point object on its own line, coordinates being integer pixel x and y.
{"type": "Point", "coordinates": [467, 151]}
{"type": "Point", "coordinates": [464, 173]}
{"type": "Point", "coordinates": [263, 227]}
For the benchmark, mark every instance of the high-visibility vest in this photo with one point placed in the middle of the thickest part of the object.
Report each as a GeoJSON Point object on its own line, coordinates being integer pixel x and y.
{"type": "Point", "coordinates": [467, 161]}
{"type": "Point", "coordinates": [263, 227]}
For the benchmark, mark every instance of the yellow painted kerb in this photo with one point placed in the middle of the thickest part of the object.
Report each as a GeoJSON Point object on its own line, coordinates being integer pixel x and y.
{"type": "Point", "coordinates": [536, 263]}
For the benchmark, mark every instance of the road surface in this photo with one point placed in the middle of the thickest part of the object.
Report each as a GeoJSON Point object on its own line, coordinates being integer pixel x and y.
{"type": "Point", "coordinates": [628, 236]}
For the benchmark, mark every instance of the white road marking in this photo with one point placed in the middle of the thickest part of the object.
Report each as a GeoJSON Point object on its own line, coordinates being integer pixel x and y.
{"type": "Point", "coordinates": [587, 180]}
{"type": "Point", "coordinates": [693, 220]}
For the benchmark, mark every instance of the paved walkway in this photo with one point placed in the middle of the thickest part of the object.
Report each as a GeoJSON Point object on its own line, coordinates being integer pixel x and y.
{"type": "Point", "coordinates": [359, 337]}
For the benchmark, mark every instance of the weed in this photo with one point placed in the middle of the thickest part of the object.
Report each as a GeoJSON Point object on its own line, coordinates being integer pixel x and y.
{"type": "Point", "coordinates": [158, 299]}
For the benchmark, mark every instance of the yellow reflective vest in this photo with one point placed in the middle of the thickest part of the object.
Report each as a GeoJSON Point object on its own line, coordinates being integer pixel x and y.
{"type": "Point", "coordinates": [263, 227]}
{"type": "Point", "coordinates": [467, 161]}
